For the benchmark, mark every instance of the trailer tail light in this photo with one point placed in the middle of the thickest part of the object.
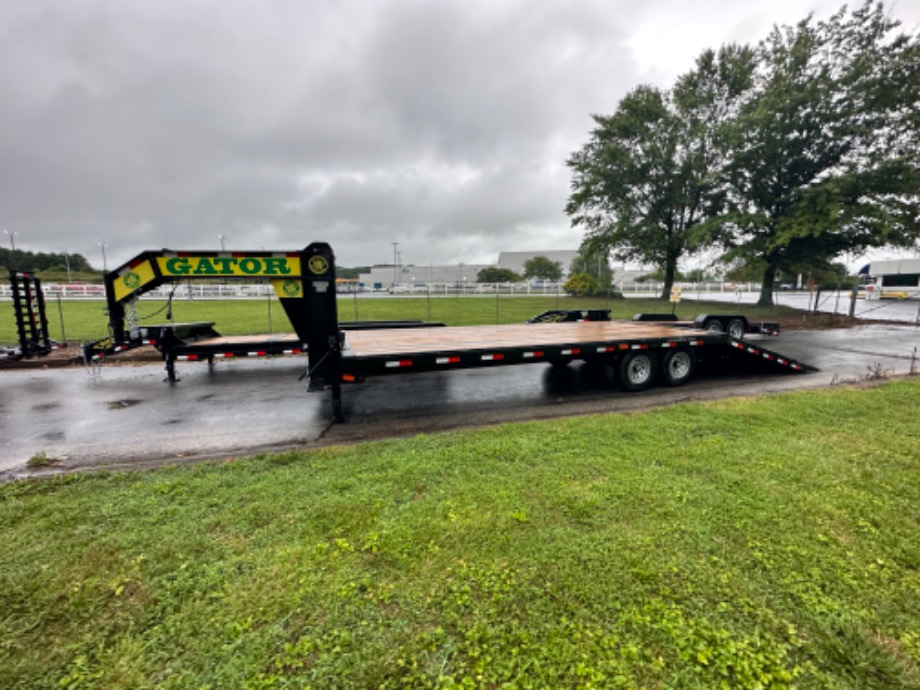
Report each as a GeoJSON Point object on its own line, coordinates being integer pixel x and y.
{"type": "Point", "coordinates": [348, 378]}
{"type": "Point", "coordinates": [396, 364]}
{"type": "Point", "coordinates": [447, 360]}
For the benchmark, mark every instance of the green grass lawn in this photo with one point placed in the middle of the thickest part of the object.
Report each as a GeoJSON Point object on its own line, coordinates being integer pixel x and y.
{"type": "Point", "coordinates": [78, 321]}
{"type": "Point", "coordinates": [769, 542]}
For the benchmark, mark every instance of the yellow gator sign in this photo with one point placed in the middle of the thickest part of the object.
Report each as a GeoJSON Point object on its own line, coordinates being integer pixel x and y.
{"type": "Point", "coordinates": [283, 270]}
{"type": "Point", "coordinates": [217, 266]}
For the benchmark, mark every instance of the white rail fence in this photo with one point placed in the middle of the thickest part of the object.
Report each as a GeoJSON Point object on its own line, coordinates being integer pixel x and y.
{"type": "Point", "coordinates": [238, 290]}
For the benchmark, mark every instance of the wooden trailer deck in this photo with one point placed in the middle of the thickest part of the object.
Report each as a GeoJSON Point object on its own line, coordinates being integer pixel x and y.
{"type": "Point", "coordinates": [217, 342]}
{"type": "Point", "coordinates": [381, 343]}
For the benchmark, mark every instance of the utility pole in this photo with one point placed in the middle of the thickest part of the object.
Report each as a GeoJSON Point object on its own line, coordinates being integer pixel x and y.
{"type": "Point", "coordinates": [222, 238]}
{"type": "Point", "coordinates": [105, 265]}
{"type": "Point", "coordinates": [12, 235]}
{"type": "Point", "coordinates": [395, 263]}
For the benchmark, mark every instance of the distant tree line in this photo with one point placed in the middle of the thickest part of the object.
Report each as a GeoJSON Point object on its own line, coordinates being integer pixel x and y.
{"type": "Point", "coordinates": [783, 155]}
{"type": "Point", "coordinates": [35, 262]}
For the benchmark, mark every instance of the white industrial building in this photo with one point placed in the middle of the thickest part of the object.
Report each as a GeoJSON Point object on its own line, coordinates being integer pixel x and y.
{"type": "Point", "coordinates": [387, 277]}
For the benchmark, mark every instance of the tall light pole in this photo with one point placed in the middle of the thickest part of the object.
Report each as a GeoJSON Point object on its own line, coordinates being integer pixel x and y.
{"type": "Point", "coordinates": [222, 238]}
{"type": "Point", "coordinates": [395, 263]}
{"type": "Point", "coordinates": [12, 235]}
{"type": "Point", "coordinates": [105, 265]}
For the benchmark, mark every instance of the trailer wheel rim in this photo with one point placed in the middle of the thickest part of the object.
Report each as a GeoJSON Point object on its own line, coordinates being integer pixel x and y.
{"type": "Point", "coordinates": [736, 329]}
{"type": "Point", "coordinates": [639, 370]}
{"type": "Point", "coordinates": [715, 327]}
{"type": "Point", "coordinates": [679, 366]}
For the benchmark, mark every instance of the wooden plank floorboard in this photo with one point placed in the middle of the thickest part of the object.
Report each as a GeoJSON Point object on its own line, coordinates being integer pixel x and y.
{"type": "Point", "coordinates": [426, 340]}
{"type": "Point", "coordinates": [246, 340]}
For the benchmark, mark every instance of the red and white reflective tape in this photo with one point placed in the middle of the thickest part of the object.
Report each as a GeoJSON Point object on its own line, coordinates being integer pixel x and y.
{"type": "Point", "coordinates": [639, 346]}
{"type": "Point", "coordinates": [447, 360]}
{"type": "Point", "coordinates": [396, 364]}
{"type": "Point", "coordinates": [573, 351]}
{"type": "Point", "coordinates": [753, 350]}
{"type": "Point", "coordinates": [493, 358]}
{"type": "Point", "coordinates": [224, 355]}
{"type": "Point", "coordinates": [291, 352]}
{"type": "Point", "coordinates": [531, 355]}
{"type": "Point", "coordinates": [186, 358]}
{"type": "Point", "coordinates": [607, 348]}
{"type": "Point", "coordinates": [735, 343]}
{"type": "Point", "coordinates": [695, 342]}
{"type": "Point", "coordinates": [669, 344]}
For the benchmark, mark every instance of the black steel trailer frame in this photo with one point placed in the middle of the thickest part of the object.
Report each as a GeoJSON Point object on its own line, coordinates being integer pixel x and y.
{"type": "Point", "coordinates": [642, 351]}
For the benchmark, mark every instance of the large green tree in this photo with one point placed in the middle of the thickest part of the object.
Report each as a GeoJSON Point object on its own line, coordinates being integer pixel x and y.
{"type": "Point", "coordinates": [542, 268]}
{"type": "Point", "coordinates": [822, 156]}
{"type": "Point", "coordinates": [494, 274]}
{"type": "Point", "coordinates": [646, 177]}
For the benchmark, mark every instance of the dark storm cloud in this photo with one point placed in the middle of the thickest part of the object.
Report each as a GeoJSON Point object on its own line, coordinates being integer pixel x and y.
{"type": "Point", "coordinates": [440, 125]}
{"type": "Point", "coordinates": [150, 124]}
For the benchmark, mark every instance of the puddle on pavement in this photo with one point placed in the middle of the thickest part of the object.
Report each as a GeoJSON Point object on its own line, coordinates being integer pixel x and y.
{"type": "Point", "coordinates": [122, 404]}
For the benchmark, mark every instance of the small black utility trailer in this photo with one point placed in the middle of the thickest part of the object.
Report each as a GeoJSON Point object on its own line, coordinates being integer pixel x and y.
{"type": "Point", "coordinates": [650, 349]}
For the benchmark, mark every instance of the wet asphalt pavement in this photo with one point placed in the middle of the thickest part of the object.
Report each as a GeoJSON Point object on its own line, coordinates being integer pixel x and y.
{"type": "Point", "coordinates": [127, 416]}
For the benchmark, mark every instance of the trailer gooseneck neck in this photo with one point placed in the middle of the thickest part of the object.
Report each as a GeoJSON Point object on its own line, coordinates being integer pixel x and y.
{"type": "Point", "coordinates": [642, 351]}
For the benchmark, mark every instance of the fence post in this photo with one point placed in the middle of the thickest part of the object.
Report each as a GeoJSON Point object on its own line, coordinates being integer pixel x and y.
{"type": "Point", "coordinates": [61, 315]}
{"type": "Point", "coordinates": [269, 313]}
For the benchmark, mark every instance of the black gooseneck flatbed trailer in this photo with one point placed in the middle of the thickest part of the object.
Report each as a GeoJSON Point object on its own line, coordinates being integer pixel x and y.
{"type": "Point", "coordinates": [642, 351]}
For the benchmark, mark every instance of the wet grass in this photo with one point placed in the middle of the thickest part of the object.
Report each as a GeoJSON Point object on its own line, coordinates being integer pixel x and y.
{"type": "Point", "coordinates": [764, 542]}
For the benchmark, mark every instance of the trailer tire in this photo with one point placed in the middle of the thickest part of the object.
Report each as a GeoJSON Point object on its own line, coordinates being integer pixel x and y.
{"type": "Point", "coordinates": [678, 367]}
{"type": "Point", "coordinates": [637, 370]}
{"type": "Point", "coordinates": [714, 326]}
{"type": "Point", "coordinates": [737, 328]}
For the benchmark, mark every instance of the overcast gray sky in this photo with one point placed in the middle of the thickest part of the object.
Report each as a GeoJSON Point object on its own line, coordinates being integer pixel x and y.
{"type": "Point", "coordinates": [441, 125]}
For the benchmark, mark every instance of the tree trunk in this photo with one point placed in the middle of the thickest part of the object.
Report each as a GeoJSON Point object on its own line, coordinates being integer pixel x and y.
{"type": "Point", "coordinates": [669, 271]}
{"type": "Point", "coordinates": [766, 286]}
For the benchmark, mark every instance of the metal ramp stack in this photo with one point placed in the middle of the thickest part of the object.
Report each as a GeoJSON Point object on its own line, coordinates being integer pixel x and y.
{"type": "Point", "coordinates": [29, 312]}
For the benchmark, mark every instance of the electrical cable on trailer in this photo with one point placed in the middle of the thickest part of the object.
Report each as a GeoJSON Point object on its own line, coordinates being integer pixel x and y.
{"type": "Point", "coordinates": [167, 305]}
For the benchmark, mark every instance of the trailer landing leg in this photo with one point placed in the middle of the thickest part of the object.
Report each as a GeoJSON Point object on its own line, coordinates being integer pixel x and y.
{"type": "Point", "coordinates": [171, 368]}
{"type": "Point", "coordinates": [337, 403]}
